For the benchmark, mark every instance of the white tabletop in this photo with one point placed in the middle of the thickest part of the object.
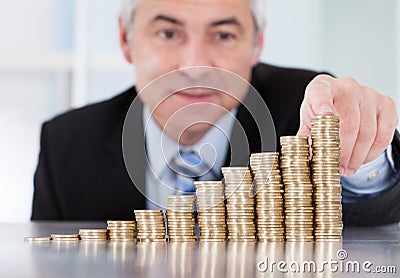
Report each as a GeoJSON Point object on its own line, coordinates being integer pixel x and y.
{"type": "Point", "coordinates": [367, 247]}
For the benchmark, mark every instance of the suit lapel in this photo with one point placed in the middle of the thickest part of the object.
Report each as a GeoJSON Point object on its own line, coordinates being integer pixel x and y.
{"type": "Point", "coordinates": [134, 145]}
{"type": "Point", "coordinates": [115, 192]}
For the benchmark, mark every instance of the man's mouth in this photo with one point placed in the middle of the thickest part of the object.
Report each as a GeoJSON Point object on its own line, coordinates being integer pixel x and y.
{"type": "Point", "coordinates": [197, 94]}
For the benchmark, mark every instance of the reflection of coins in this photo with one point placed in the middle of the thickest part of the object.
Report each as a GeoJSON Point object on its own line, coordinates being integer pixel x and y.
{"type": "Point", "coordinates": [298, 188]}
{"type": "Point", "coordinates": [269, 196]}
{"type": "Point", "coordinates": [326, 178]}
{"type": "Point", "coordinates": [211, 210]}
{"type": "Point", "coordinates": [150, 225]}
{"type": "Point", "coordinates": [180, 218]}
{"type": "Point", "coordinates": [239, 203]}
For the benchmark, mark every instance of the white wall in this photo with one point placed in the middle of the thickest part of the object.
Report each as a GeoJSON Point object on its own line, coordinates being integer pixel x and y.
{"type": "Point", "coordinates": [362, 46]}
{"type": "Point", "coordinates": [293, 33]}
{"type": "Point", "coordinates": [347, 38]}
{"type": "Point", "coordinates": [38, 64]}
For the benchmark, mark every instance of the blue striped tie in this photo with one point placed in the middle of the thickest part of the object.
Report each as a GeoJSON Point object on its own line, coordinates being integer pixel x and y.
{"type": "Point", "coordinates": [188, 167]}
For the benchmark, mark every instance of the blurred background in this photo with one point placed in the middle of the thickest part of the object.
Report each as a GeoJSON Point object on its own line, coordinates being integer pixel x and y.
{"type": "Point", "coordinates": [61, 54]}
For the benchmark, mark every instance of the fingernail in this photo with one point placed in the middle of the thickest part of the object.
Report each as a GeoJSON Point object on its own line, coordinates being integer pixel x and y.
{"type": "Point", "coordinates": [325, 109]}
{"type": "Point", "coordinates": [342, 171]}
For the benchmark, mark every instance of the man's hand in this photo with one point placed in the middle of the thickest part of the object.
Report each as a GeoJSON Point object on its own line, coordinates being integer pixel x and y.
{"type": "Point", "coordinates": [367, 118]}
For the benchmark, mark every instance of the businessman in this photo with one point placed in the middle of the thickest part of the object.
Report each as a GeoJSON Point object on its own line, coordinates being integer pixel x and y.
{"type": "Point", "coordinates": [82, 172]}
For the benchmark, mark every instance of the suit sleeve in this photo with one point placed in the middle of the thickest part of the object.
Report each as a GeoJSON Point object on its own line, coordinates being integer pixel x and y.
{"type": "Point", "coordinates": [384, 209]}
{"type": "Point", "coordinates": [45, 205]}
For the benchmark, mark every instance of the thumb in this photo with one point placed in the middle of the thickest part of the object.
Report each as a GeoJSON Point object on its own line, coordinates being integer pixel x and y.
{"type": "Point", "coordinates": [304, 130]}
{"type": "Point", "coordinates": [318, 100]}
{"type": "Point", "coordinates": [305, 120]}
{"type": "Point", "coordinates": [319, 96]}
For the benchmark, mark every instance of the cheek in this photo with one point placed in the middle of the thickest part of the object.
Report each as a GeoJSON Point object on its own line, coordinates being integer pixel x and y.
{"type": "Point", "coordinates": [149, 65]}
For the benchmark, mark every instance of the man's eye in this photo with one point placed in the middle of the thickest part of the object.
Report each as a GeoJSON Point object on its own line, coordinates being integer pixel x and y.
{"type": "Point", "coordinates": [225, 36]}
{"type": "Point", "coordinates": [167, 34]}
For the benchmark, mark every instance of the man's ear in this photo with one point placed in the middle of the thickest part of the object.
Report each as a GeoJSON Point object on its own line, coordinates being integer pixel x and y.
{"type": "Point", "coordinates": [258, 47]}
{"type": "Point", "coordinates": [123, 40]}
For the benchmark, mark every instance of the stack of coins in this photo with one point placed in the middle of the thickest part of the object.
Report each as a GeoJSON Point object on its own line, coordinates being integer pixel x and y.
{"type": "Point", "coordinates": [151, 226]}
{"type": "Point", "coordinates": [121, 230]}
{"type": "Point", "coordinates": [298, 188]}
{"type": "Point", "coordinates": [93, 234]}
{"type": "Point", "coordinates": [180, 218]}
{"type": "Point", "coordinates": [269, 196]}
{"type": "Point", "coordinates": [326, 178]}
{"type": "Point", "coordinates": [239, 203]}
{"type": "Point", "coordinates": [65, 237]}
{"type": "Point", "coordinates": [210, 210]}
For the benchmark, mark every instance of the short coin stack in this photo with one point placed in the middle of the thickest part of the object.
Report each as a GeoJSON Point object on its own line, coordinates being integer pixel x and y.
{"type": "Point", "coordinates": [269, 196]}
{"type": "Point", "coordinates": [326, 178]}
{"type": "Point", "coordinates": [93, 234]}
{"type": "Point", "coordinates": [298, 188]}
{"type": "Point", "coordinates": [151, 226]}
{"type": "Point", "coordinates": [65, 237]}
{"type": "Point", "coordinates": [119, 230]}
{"type": "Point", "coordinates": [211, 210]}
{"type": "Point", "coordinates": [240, 203]}
{"type": "Point", "coordinates": [180, 218]}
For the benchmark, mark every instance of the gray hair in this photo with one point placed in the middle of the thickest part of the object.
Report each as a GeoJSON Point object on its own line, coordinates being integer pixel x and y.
{"type": "Point", "coordinates": [257, 7]}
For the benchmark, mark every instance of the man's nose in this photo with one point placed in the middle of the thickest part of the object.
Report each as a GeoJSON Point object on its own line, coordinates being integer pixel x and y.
{"type": "Point", "coordinates": [195, 53]}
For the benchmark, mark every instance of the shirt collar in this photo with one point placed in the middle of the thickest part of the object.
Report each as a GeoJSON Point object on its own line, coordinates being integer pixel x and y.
{"type": "Point", "coordinates": [212, 147]}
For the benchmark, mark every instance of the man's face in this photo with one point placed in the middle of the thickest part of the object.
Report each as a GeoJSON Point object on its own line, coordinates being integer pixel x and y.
{"type": "Point", "coordinates": [168, 35]}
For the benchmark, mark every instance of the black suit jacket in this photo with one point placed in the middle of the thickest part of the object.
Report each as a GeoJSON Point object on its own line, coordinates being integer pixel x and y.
{"type": "Point", "coordinates": [81, 173]}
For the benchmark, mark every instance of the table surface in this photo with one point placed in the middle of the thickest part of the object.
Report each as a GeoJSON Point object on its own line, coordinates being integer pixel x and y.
{"type": "Point", "coordinates": [376, 249]}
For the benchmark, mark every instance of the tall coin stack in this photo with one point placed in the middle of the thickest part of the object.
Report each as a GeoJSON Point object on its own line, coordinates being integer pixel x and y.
{"type": "Point", "coordinates": [151, 226]}
{"type": "Point", "coordinates": [269, 196]}
{"type": "Point", "coordinates": [326, 178]}
{"type": "Point", "coordinates": [240, 203]}
{"type": "Point", "coordinates": [298, 188]}
{"type": "Point", "coordinates": [211, 210]}
{"type": "Point", "coordinates": [119, 230]}
{"type": "Point", "coordinates": [93, 234]}
{"type": "Point", "coordinates": [180, 218]}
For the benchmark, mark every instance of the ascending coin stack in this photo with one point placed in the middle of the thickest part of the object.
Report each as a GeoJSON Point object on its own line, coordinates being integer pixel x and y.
{"type": "Point", "coordinates": [150, 224]}
{"type": "Point", "coordinates": [239, 203]}
{"type": "Point", "coordinates": [119, 230]}
{"type": "Point", "coordinates": [326, 178]}
{"type": "Point", "coordinates": [269, 196]}
{"type": "Point", "coordinates": [211, 210]}
{"type": "Point", "coordinates": [180, 218]}
{"type": "Point", "coordinates": [93, 234]}
{"type": "Point", "coordinates": [298, 188]}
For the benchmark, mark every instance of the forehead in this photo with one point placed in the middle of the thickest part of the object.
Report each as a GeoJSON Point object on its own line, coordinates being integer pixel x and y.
{"type": "Point", "coordinates": [195, 8]}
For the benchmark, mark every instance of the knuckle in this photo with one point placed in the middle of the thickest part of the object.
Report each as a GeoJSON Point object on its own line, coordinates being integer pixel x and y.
{"type": "Point", "coordinates": [390, 106]}
{"type": "Point", "coordinates": [384, 138]}
{"type": "Point", "coordinates": [389, 103]}
{"type": "Point", "coordinates": [350, 82]}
